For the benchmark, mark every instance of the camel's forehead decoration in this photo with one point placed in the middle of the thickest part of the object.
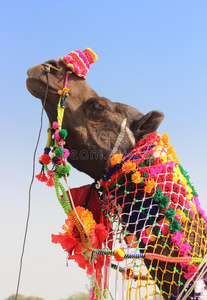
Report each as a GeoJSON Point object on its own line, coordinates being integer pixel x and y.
{"type": "Point", "coordinates": [79, 62]}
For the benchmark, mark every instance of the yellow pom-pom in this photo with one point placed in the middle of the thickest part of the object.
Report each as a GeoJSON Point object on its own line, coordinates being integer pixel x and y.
{"type": "Point", "coordinates": [119, 254]}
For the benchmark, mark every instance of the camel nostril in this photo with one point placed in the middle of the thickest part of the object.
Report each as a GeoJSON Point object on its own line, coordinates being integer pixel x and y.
{"type": "Point", "coordinates": [47, 68]}
{"type": "Point", "coordinates": [52, 62]}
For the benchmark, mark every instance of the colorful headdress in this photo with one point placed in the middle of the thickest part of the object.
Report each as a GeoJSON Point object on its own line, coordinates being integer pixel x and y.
{"type": "Point", "coordinates": [79, 62]}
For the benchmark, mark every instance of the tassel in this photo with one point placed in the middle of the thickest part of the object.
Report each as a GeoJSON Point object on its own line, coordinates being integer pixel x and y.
{"type": "Point", "coordinates": [50, 182]}
{"type": "Point", "coordinates": [39, 176]}
{"type": "Point", "coordinates": [44, 178]}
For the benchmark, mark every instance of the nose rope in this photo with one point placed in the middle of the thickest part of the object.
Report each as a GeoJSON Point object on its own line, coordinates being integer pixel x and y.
{"type": "Point", "coordinates": [30, 187]}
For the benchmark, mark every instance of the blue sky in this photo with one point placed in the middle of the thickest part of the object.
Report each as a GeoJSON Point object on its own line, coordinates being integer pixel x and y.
{"type": "Point", "coordinates": [152, 55]}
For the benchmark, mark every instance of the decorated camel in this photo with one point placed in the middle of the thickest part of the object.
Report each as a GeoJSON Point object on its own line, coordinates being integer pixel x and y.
{"type": "Point", "coordinates": [142, 216]}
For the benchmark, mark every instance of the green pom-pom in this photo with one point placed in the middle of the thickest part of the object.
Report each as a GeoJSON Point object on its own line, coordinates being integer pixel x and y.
{"type": "Point", "coordinates": [63, 133]}
{"type": "Point", "coordinates": [158, 195]}
{"type": "Point", "coordinates": [147, 162]}
{"type": "Point", "coordinates": [195, 193]}
{"type": "Point", "coordinates": [185, 174]}
{"type": "Point", "coordinates": [164, 202]}
{"type": "Point", "coordinates": [62, 170]}
{"type": "Point", "coordinates": [156, 231]}
{"type": "Point", "coordinates": [142, 164]}
{"type": "Point", "coordinates": [183, 171]}
{"type": "Point", "coordinates": [145, 175]}
{"type": "Point", "coordinates": [174, 226]}
{"type": "Point", "coordinates": [59, 152]}
{"type": "Point", "coordinates": [170, 212]}
{"type": "Point", "coordinates": [186, 212]}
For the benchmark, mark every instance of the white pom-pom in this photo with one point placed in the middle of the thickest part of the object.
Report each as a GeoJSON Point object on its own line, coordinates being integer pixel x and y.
{"type": "Point", "coordinates": [203, 296]}
{"type": "Point", "coordinates": [199, 286]}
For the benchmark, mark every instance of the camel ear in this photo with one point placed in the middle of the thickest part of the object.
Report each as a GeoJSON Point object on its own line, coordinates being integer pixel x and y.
{"type": "Point", "coordinates": [147, 124]}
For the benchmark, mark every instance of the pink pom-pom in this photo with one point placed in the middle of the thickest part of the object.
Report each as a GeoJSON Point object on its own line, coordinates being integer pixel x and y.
{"type": "Point", "coordinates": [184, 249]}
{"type": "Point", "coordinates": [66, 153]}
{"type": "Point", "coordinates": [144, 237]}
{"type": "Point", "coordinates": [55, 125]}
{"type": "Point", "coordinates": [176, 238]}
{"type": "Point", "coordinates": [164, 230]}
{"type": "Point", "coordinates": [191, 212]}
{"type": "Point", "coordinates": [184, 265]}
{"type": "Point", "coordinates": [196, 200]}
{"type": "Point", "coordinates": [192, 269]}
{"type": "Point", "coordinates": [57, 136]}
{"type": "Point", "coordinates": [163, 227]}
{"type": "Point", "coordinates": [187, 205]}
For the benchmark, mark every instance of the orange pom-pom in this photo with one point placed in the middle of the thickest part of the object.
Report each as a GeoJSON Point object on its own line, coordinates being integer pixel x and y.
{"type": "Point", "coordinates": [129, 166]}
{"type": "Point", "coordinates": [119, 254]}
{"type": "Point", "coordinates": [137, 177]}
{"type": "Point", "coordinates": [165, 138]}
{"type": "Point", "coordinates": [116, 159]}
{"type": "Point", "coordinates": [149, 185]}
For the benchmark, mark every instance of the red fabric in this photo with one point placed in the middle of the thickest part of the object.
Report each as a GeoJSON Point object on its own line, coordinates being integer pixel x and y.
{"type": "Point", "coordinates": [79, 196]}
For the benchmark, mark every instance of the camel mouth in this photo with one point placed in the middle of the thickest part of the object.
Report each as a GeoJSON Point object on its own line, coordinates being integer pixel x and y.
{"type": "Point", "coordinates": [37, 85]}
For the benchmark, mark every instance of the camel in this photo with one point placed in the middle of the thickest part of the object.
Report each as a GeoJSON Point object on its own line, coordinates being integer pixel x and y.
{"type": "Point", "coordinates": [99, 129]}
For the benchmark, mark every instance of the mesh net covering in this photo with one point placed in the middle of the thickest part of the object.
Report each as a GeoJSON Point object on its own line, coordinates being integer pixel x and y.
{"type": "Point", "coordinates": [151, 238]}
{"type": "Point", "coordinates": [150, 206]}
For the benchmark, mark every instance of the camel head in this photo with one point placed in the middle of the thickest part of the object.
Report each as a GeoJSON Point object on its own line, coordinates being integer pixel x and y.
{"type": "Point", "coordinates": [96, 126]}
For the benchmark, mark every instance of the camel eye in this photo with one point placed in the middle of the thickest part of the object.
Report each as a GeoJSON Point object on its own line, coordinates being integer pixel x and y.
{"type": "Point", "coordinates": [94, 105]}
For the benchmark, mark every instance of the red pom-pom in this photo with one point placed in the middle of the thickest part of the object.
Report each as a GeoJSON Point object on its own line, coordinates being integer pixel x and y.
{"type": "Point", "coordinates": [60, 161]}
{"type": "Point", "coordinates": [45, 159]}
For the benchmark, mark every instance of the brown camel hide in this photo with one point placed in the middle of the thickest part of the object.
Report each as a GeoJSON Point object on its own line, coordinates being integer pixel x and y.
{"type": "Point", "coordinates": [93, 123]}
